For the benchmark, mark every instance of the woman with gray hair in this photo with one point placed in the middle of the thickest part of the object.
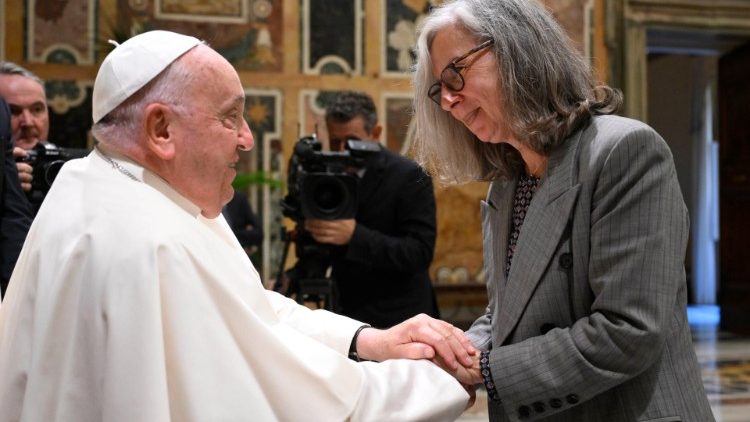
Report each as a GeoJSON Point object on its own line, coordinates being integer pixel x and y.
{"type": "Point", "coordinates": [584, 225]}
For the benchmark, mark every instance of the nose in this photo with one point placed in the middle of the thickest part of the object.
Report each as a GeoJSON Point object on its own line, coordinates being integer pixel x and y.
{"type": "Point", "coordinates": [246, 140]}
{"type": "Point", "coordinates": [448, 98]}
{"type": "Point", "coordinates": [25, 117]}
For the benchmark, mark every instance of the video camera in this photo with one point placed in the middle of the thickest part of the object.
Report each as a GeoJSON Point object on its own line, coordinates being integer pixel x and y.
{"type": "Point", "coordinates": [47, 160]}
{"type": "Point", "coordinates": [322, 185]}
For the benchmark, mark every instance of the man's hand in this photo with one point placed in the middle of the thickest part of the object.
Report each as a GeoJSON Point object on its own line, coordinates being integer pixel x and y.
{"type": "Point", "coordinates": [334, 232]}
{"type": "Point", "coordinates": [25, 170]}
{"type": "Point", "coordinates": [420, 337]}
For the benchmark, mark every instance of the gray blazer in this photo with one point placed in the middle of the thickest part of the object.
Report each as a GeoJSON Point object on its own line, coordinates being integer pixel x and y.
{"type": "Point", "coordinates": [591, 324]}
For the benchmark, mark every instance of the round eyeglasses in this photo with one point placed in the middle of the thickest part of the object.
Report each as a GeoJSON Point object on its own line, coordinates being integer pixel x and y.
{"type": "Point", "coordinates": [451, 74]}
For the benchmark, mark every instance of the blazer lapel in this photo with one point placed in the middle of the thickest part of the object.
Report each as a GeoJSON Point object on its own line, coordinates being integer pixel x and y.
{"type": "Point", "coordinates": [545, 222]}
{"type": "Point", "coordinates": [498, 211]}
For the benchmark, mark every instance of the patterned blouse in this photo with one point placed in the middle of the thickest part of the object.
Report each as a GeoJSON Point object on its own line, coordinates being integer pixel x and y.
{"type": "Point", "coordinates": [524, 192]}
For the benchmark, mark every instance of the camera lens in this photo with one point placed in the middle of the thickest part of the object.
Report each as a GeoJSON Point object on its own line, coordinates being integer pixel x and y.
{"type": "Point", "coordinates": [328, 196]}
{"type": "Point", "coordinates": [329, 193]}
{"type": "Point", "coordinates": [51, 170]}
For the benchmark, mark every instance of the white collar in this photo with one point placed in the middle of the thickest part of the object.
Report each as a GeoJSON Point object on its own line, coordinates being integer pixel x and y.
{"type": "Point", "coordinates": [129, 169]}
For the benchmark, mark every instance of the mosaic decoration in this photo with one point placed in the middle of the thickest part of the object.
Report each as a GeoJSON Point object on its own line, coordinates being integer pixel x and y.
{"type": "Point", "coordinates": [312, 106]}
{"type": "Point", "coordinates": [227, 11]}
{"type": "Point", "coordinates": [61, 27]}
{"type": "Point", "coordinates": [401, 20]}
{"type": "Point", "coordinates": [69, 113]}
{"type": "Point", "coordinates": [332, 37]}
{"type": "Point", "coordinates": [571, 15]}
{"type": "Point", "coordinates": [398, 122]}
{"type": "Point", "coordinates": [263, 114]}
{"type": "Point", "coordinates": [254, 43]}
{"type": "Point", "coordinates": [588, 30]}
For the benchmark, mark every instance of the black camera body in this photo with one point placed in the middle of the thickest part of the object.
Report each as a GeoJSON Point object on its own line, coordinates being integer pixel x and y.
{"type": "Point", "coordinates": [47, 160]}
{"type": "Point", "coordinates": [323, 184]}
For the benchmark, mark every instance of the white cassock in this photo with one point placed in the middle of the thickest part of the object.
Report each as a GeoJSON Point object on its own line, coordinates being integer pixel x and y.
{"type": "Point", "coordinates": [127, 305]}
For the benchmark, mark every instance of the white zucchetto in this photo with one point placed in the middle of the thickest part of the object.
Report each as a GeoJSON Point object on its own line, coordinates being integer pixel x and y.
{"type": "Point", "coordinates": [133, 64]}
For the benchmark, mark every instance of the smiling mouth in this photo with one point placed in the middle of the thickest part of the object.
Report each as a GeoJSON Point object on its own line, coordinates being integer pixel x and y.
{"type": "Point", "coordinates": [469, 118]}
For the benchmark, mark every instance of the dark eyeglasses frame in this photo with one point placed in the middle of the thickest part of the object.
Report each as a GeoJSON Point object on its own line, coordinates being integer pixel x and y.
{"type": "Point", "coordinates": [435, 91]}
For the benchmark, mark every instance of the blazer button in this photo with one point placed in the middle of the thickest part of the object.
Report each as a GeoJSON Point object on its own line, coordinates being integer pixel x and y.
{"type": "Point", "coordinates": [566, 260]}
{"type": "Point", "coordinates": [546, 327]}
{"type": "Point", "coordinates": [538, 407]}
{"type": "Point", "coordinates": [555, 403]}
{"type": "Point", "coordinates": [572, 398]}
{"type": "Point", "coordinates": [524, 412]}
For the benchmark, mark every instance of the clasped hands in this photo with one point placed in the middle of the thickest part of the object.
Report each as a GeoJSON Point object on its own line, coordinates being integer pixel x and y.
{"type": "Point", "coordinates": [423, 337]}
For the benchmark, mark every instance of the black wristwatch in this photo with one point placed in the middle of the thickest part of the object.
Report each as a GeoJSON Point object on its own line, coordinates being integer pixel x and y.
{"type": "Point", "coordinates": [353, 355]}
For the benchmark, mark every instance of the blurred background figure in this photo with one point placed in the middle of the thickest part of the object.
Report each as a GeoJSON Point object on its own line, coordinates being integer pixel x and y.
{"type": "Point", "coordinates": [15, 213]}
{"type": "Point", "coordinates": [244, 223]}
{"type": "Point", "coordinates": [24, 92]}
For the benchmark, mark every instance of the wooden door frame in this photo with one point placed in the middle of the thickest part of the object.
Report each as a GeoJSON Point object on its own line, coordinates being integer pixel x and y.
{"type": "Point", "coordinates": [626, 25]}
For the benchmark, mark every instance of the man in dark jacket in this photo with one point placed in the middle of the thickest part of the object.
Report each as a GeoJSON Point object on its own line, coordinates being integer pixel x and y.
{"type": "Point", "coordinates": [381, 256]}
{"type": "Point", "coordinates": [15, 212]}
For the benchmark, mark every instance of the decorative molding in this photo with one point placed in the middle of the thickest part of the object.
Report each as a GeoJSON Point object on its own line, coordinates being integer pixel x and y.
{"type": "Point", "coordinates": [312, 115]}
{"type": "Point", "coordinates": [725, 14]}
{"type": "Point", "coordinates": [722, 16]}
{"type": "Point", "coordinates": [67, 30]}
{"type": "Point", "coordinates": [588, 30]}
{"type": "Point", "coordinates": [69, 104]}
{"type": "Point", "coordinates": [396, 118]}
{"type": "Point", "coordinates": [636, 83]}
{"type": "Point", "coordinates": [263, 112]}
{"type": "Point", "coordinates": [251, 40]}
{"type": "Point", "coordinates": [400, 21]}
{"type": "Point", "coordinates": [694, 4]}
{"type": "Point", "coordinates": [64, 95]}
{"type": "Point", "coordinates": [332, 60]}
{"type": "Point", "coordinates": [227, 11]}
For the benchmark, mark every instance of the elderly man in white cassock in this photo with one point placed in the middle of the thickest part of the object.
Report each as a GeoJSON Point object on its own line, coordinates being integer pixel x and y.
{"type": "Point", "coordinates": [133, 301]}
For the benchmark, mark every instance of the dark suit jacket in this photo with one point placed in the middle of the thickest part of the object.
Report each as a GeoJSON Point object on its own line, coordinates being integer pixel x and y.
{"type": "Point", "coordinates": [239, 216]}
{"type": "Point", "coordinates": [381, 274]}
{"type": "Point", "coordinates": [591, 323]}
{"type": "Point", "coordinates": [15, 212]}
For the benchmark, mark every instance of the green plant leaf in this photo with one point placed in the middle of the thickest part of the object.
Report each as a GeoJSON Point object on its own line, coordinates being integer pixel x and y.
{"type": "Point", "coordinates": [243, 180]}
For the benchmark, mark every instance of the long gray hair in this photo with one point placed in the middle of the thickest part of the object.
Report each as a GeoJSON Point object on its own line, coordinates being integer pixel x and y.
{"type": "Point", "coordinates": [546, 89]}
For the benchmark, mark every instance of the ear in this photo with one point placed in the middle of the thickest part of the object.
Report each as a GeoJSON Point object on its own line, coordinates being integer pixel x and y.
{"type": "Point", "coordinates": [157, 120]}
{"type": "Point", "coordinates": [376, 131]}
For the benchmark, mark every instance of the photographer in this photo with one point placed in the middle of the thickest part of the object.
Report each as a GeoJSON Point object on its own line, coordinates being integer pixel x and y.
{"type": "Point", "coordinates": [24, 92]}
{"type": "Point", "coordinates": [381, 257]}
{"type": "Point", "coordinates": [15, 213]}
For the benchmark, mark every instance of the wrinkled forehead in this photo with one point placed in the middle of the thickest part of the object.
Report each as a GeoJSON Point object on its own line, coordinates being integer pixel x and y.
{"type": "Point", "coordinates": [16, 88]}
